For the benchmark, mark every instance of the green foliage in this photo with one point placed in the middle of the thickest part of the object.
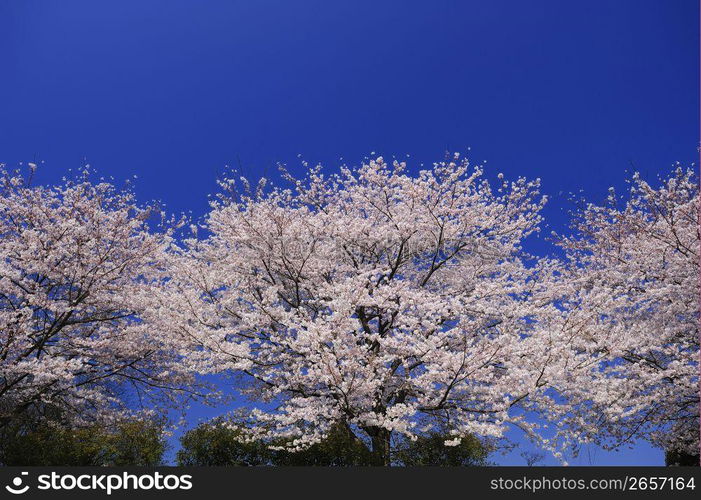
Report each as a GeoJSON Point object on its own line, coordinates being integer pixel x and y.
{"type": "Point", "coordinates": [340, 449]}
{"type": "Point", "coordinates": [130, 443]}
{"type": "Point", "coordinates": [430, 450]}
{"type": "Point", "coordinates": [680, 458]}
{"type": "Point", "coordinates": [137, 443]}
{"type": "Point", "coordinates": [213, 444]}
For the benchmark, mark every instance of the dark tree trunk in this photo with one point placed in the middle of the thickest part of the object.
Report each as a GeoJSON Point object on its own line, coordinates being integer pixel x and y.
{"type": "Point", "coordinates": [380, 439]}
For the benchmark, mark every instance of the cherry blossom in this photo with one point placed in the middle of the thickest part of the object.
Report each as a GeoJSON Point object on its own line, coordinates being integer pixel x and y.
{"type": "Point", "coordinates": [632, 307]}
{"type": "Point", "coordinates": [81, 275]}
{"type": "Point", "coordinates": [386, 302]}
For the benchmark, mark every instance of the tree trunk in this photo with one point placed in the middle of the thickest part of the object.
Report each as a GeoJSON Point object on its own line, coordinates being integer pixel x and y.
{"type": "Point", "coordinates": [380, 446]}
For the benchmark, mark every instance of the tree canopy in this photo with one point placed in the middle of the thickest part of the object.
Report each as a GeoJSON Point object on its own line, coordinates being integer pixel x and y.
{"type": "Point", "coordinates": [138, 442]}
{"type": "Point", "coordinates": [372, 316]}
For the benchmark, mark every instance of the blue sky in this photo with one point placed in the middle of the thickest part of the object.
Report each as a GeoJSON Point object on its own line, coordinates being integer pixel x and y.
{"type": "Point", "coordinates": [573, 92]}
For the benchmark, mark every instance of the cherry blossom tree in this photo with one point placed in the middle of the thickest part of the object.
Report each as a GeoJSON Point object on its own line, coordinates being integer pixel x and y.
{"type": "Point", "coordinates": [632, 306]}
{"type": "Point", "coordinates": [81, 277]}
{"type": "Point", "coordinates": [388, 303]}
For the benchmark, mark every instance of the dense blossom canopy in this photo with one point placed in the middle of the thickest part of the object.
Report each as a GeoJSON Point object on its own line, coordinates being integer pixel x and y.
{"type": "Point", "coordinates": [387, 305]}
{"type": "Point", "coordinates": [389, 302]}
{"type": "Point", "coordinates": [633, 307]}
{"type": "Point", "coordinates": [79, 275]}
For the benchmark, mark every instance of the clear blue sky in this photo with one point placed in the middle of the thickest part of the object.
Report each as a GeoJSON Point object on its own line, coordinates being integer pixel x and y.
{"type": "Point", "coordinates": [574, 92]}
